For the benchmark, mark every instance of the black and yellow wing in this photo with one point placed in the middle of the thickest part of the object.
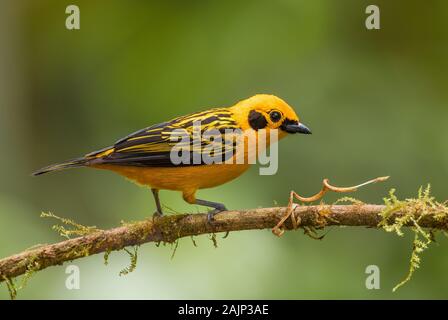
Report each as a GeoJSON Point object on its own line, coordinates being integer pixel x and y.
{"type": "Point", "coordinates": [152, 146]}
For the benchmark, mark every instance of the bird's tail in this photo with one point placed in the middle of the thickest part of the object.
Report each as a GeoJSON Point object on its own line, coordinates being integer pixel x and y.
{"type": "Point", "coordinates": [74, 163]}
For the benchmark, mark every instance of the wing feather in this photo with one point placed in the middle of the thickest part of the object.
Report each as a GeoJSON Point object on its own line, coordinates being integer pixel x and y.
{"type": "Point", "coordinates": [151, 146]}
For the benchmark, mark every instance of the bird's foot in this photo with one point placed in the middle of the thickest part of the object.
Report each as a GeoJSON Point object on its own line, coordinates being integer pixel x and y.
{"type": "Point", "coordinates": [157, 214]}
{"type": "Point", "coordinates": [211, 214]}
{"type": "Point", "coordinates": [211, 217]}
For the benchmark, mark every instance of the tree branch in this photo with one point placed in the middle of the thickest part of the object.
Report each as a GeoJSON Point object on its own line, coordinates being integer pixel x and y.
{"type": "Point", "coordinates": [170, 228]}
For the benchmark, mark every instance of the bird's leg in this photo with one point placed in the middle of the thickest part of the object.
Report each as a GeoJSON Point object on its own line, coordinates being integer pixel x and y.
{"type": "Point", "coordinates": [218, 207]}
{"type": "Point", "coordinates": [159, 212]}
{"type": "Point", "coordinates": [326, 186]}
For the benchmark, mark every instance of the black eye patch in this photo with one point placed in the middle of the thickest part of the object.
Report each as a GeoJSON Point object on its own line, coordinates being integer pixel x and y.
{"type": "Point", "coordinates": [257, 120]}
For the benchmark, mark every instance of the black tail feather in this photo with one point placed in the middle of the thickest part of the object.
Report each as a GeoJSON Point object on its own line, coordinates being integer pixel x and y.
{"type": "Point", "coordinates": [74, 163]}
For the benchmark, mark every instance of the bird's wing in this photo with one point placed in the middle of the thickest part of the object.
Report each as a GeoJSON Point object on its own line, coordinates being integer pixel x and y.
{"type": "Point", "coordinates": [152, 146]}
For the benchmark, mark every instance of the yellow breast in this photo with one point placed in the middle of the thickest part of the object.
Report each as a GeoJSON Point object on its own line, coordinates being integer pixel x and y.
{"type": "Point", "coordinates": [180, 178]}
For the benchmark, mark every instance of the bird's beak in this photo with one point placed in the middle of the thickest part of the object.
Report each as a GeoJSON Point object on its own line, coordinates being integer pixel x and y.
{"type": "Point", "coordinates": [297, 128]}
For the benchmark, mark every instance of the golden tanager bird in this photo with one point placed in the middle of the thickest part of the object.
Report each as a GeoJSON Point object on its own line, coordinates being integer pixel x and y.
{"type": "Point", "coordinates": [145, 156]}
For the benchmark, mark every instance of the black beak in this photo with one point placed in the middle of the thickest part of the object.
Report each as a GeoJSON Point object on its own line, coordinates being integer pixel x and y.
{"type": "Point", "coordinates": [297, 128]}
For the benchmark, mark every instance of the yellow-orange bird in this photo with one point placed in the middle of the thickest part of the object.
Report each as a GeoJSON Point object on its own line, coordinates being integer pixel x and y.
{"type": "Point", "coordinates": [145, 156]}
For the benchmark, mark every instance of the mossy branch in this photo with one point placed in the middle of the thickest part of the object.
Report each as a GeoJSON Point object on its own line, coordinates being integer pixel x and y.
{"type": "Point", "coordinates": [172, 227]}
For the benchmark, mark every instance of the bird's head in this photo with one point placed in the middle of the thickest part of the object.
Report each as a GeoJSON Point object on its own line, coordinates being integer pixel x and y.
{"type": "Point", "coordinates": [264, 111]}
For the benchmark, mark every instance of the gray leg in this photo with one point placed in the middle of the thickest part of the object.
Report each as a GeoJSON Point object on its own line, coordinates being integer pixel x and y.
{"type": "Point", "coordinates": [218, 207]}
{"type": "Point", "coordinates": [159, 211]}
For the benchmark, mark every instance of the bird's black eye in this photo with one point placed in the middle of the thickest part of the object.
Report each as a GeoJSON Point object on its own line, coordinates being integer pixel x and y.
{"type": "Point", "coordinates": [275, 116]}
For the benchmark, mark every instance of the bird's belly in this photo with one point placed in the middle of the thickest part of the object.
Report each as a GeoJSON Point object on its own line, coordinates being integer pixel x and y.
{"type": "Point", "coordinates": [180, 178]}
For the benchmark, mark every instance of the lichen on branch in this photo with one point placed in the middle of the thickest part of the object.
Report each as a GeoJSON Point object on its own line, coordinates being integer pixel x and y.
{"type": "Point", "coordinates": [411, 213]}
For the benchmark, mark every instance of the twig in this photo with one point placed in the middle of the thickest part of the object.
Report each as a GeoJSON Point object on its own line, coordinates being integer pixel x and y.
{"type": "Point", "coordinates": [326, 186]}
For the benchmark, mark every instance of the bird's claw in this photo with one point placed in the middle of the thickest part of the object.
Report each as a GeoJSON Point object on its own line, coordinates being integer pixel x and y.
{"type": "Point", "coordinates": [211, 214]}
{"type": "Point", "coordinates": [211, 218]}
{"type": "Point", "coordinates": [157, 214]}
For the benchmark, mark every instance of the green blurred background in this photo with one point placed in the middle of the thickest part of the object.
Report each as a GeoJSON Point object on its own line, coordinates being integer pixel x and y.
{"type": "Point", "coordinates": [375, 100]}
